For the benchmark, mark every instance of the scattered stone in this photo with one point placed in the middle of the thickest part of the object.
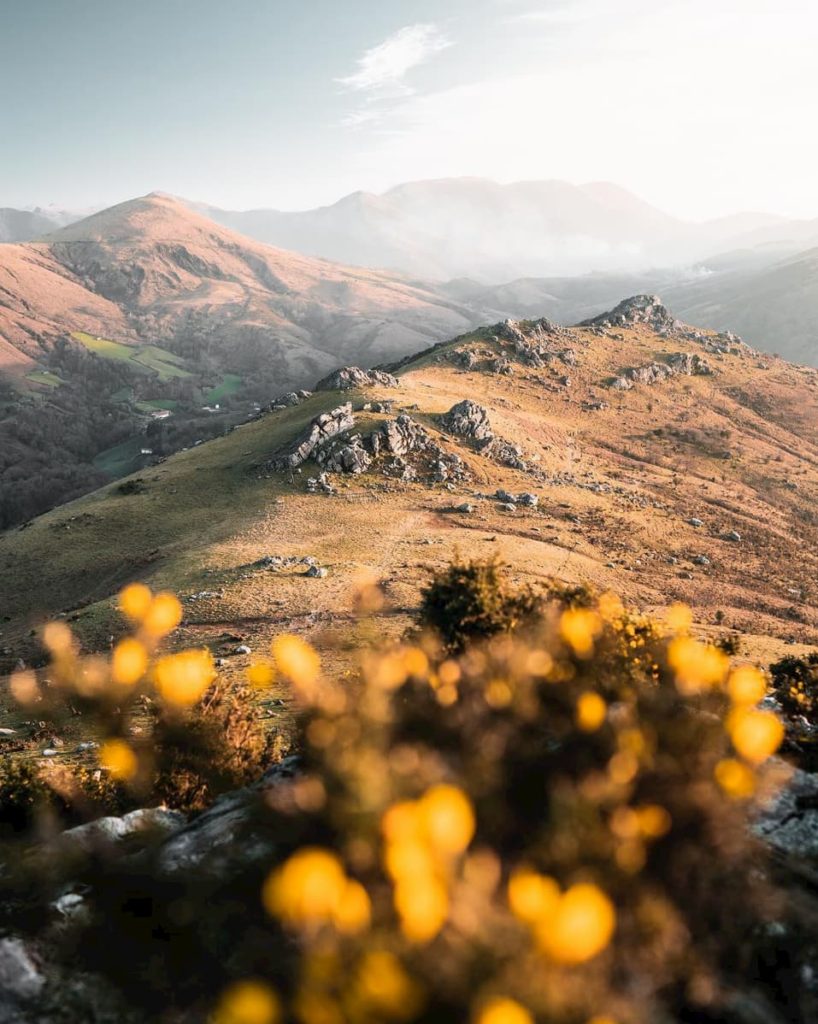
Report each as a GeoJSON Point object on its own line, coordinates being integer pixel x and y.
{"type": "Point", "coordinates": [242, 649]}
{"type": "Point", "coordinates": [693, 521]}
{"type": "Point", "coordinates": [508, 506]}
{"type": "Point", "coordinates": [530, 500]}
{"type": "Point", "coordinates": [316, 572]}
{"type": "Point", "coordinates": [465, 507]}
{"type": "Point", "coordinates": [701, 560]}
{"type": "Point", "coordinates": [504, 496]}
{"type": "Point", "coordinates": [733, 535]}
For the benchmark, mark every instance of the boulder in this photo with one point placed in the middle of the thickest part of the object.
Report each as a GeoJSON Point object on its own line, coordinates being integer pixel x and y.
{"type": "Point", "coordinates": [468, 419]}
{"type": "Point", "coordinates": [349, 377]}
{"type": "Point", "coordinates": [639, 309]}
{"type": "Point", "coordinates": [320, 430]}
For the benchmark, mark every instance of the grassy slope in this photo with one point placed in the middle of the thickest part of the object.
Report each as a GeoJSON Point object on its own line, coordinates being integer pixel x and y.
{"type": "Point", "coordinates": [146, 357]}
{"type": "Point", "coordinates": [208, 513]}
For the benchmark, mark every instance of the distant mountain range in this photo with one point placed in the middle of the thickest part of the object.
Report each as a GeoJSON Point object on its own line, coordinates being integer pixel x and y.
{"type": "Point", "coordinates": [471, 227]}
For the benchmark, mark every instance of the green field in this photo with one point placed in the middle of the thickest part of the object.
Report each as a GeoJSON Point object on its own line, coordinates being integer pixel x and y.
{"type": "Point", "coordinates": [148, 358]}
{"type": "Point", "coordinates": [122, 459]}
{"type": "Point", "coordinates": [152, 404]}
{"type": "Point", "coordinates": [229, 385]}
{"type": "Point", "coordinates": [51, 380]}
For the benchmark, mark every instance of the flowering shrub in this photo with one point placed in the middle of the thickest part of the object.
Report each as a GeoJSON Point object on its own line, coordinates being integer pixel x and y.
{"type": "Point", "coordinates": [547, 824]}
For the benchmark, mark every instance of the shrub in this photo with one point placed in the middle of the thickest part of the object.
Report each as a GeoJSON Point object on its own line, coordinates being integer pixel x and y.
{"type": "Point", "coordinates": [550, 824]}
{"type": "Point", "coordinates": [470, 601]}
{"type": "Point", "coordinates": [795, 682]}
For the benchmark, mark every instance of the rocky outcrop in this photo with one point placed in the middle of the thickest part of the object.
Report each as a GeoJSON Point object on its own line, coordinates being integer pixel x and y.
{"type": "Point", "coordinates": [467, 419]}
{"type": "Point", "coordinates": [290, 399]}
{"type": "Point", "coordinates": [320, 430]}
{"type": "Point", "coordinates": [345, 456]}
{"type": "Point", "coordinates": [639, 309]}
{"type": "Point", "coordinates": [350, 377]}
{"type": "Point", "coordinates": [678, 364]}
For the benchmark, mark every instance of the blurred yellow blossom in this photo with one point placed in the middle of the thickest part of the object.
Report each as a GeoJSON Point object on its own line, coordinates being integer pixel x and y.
{"type": "Point", "coordinates": [119, 759]}
{"type": "Point", "coordinates": [746, 685]}
{"type": "Point", "coordinates": [735, 778]}
{"type": "Point", "coordinates": [247, 1002]}
{"type": "Point", "coordinates": [297, 660]}
{"type": "Point", "coordinates": [500, 1010]}
{"type": "Point", "coordinates": [260, 674]}
{"type": "Point", "coordinates": [163, 615]}
{"type": "Point", "coordinates": [755, 734]}
{"type": "Point", "coordinates": [679, 618]}
{"type": "Point", "coordinates": [353, 909]}
{"type": "Point", "coordinates": [697, 666]}
{"type": "Point", "coordinates": [579, 628]}
{"type": "Point", "coordinates": [591, 712]}
{"type": "Point", "coordinates": [579, 927]}
{"type": "Point", "coordinates": [135, 600]}
{"type": "Point", "coordinates": [383, 987]}
{"type": "Point", "coordinates": [57, 638]}
{"type": "Point", "coordinates": [129, 662]}
{"type": "Point", "coordinates": [307, 889]}
{"type": "Point", "coordinates": [183, 678]}
{"type": "Point", "coordinates": [532, 896]}
{"type": "Point", "coordinates": [448, 818]}
{"type": "Point", "coordinates": [422, 903]}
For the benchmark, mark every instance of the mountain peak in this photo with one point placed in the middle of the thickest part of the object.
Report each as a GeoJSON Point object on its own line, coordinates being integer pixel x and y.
{"type": "Point", "coordinates": [638, 309]}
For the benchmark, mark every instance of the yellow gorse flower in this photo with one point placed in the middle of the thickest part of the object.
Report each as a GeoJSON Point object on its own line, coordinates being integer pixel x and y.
{"type": "Point", "coordinates": [247, 1002]}
{"type": "Point", "coordinates": [578, 927]}
{"type": "Point", "coordinates": [118, 757]}
{"type": "Point", "coordinates": [697, 666]}
{"type": "Point", "coordinates": [129, 662]}
{"type": "Point", "coordinates": [500, 1010]}
{"type": "Point", "coordinates": [591, 712]}
{"type": "Point", "coordinates": [579, 628]}
{"type": "Point", "coordinates": [755, 734]}
{"type": "Point", "coordinates": [183, 678]}
{"type": "Point", "coordinates": [312, 889]}
{"type": "Point", "coordinates": [298, 661]}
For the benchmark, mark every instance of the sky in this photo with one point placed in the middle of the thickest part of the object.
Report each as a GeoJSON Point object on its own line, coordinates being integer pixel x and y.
{"type": "Point", "coordinates": [702, 107]}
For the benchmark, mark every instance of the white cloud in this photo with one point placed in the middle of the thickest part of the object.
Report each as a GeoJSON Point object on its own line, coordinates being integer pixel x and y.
{"type": "Point", "coordinates": [383, 67]}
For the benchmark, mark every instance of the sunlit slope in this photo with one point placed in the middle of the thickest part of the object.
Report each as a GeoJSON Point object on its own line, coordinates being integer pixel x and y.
{"type": "Point", "coordinates": [696, 487]}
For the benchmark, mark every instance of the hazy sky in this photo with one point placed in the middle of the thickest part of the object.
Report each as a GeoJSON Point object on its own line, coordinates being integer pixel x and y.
{"type": "Point", "coordinates": [702, 107]}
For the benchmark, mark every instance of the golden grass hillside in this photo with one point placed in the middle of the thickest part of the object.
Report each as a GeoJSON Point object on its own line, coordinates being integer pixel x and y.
{"type": "Point", "coordinates": [619, 477]}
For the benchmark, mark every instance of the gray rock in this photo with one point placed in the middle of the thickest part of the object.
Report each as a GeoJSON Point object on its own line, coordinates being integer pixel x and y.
{"type": "Point", "coordinates": [105, 831]}
{"type": "Point", "coordinates": [639, 309]}
{"type": "Point", "coordinates": [320, 430]}
{"type": "Point", "coordinates": [20, 978]}
{"type": "Point", "coordinates": [733, 535]}
{"type": "Point", "coordinates": [504, 496]}
{"type": "Point", "coordinates": [701, 560]}
{"type": "Point", "coordinates": [316, 572]}
{"type": "Point", "coordinates": [465, 507]}
{"type": "Point", "coordinates": [508, 506]}
{"type": "Point", "coordinates": [350, 377]}
{"type": "Point", "coordinates": [531, 500]}
{"type": "Point", "coordinates": [693, 521]}
{"type": "Point", "coordinates": [468, 419]}
{"type": "Point", "coordinates": [788, 822]}
{"type": "Point", "coordinates": [242, 649]}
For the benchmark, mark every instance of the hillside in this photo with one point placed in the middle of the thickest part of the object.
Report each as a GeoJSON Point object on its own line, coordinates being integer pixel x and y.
{"type": "Point", "coordinates": [149, 307]}
{"type": "Point", "coordinates": [635, 453]}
